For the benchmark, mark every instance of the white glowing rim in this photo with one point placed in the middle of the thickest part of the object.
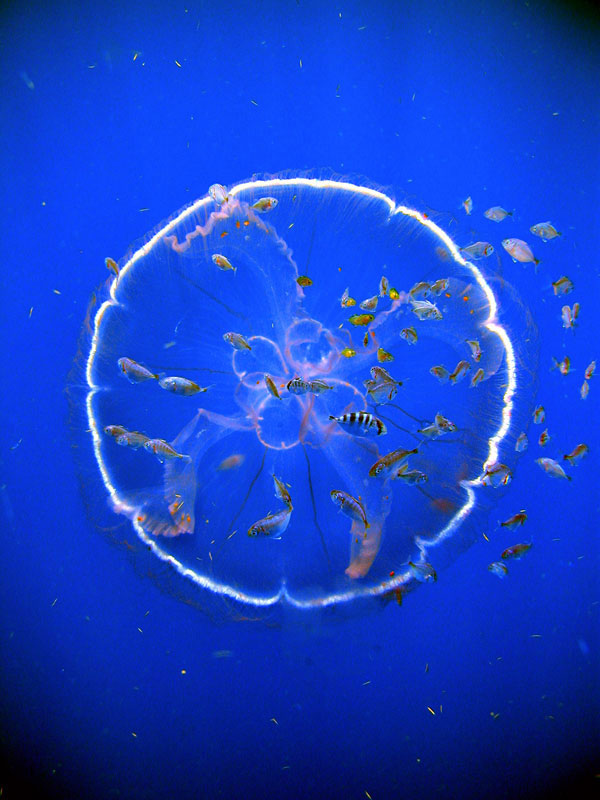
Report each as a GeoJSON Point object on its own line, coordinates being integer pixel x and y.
{"type": "Point", "coordinates": [494, 441]}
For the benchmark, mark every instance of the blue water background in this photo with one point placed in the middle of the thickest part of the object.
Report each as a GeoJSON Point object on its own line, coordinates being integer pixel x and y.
{"type": "Point", "coordinates": [496, 100]}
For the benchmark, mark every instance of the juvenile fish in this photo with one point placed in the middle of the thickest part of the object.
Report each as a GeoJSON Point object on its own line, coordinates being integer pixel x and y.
{"type": "Point", "coordinates": [478, 250]}
{"type": "Point", "coordinates": [409, 335]}
{"type": "Point", "coordinates": [370, 304]}
{"type": "Point", "coordinates": [516, 551]}
{"type": "Point", "coordinates": [439, 286]}
{"type": "Point", "coordinates": [349, 506]}
{"type": "Point", "coordinates": [181, 386]}
{"type": "Point", "coordinates": [577, 454]}
{"type": "Point", "coordinates": [271, 386]}
{"type": "Point", "coordinates": [133, 439]}
{"type": "Point", "coordinates": [361, 319]}
{"type": "Point", "coordinates": [497, 475]}
{"type": "Point", "coordinates": [563, 285]}
{"type": "Point", "coordinates": [521, 443]}
{"type": "Point", "coordinates": [163, 450]}
{"type": "Point", "coordinates": [273, 525]}
{"type": "Point", "coordinates": [218, 194]}
{"type": "Point", "coordinates": [390, 462]}
{"type": "Point", "coordinates": [346, 301]}
{"type": "Point", "coordinates": [423, 572]}
{"type": "Point", "coordinates": [545, 230]}
{"type": "Point", "coordinates": [552, 467]}
{"type": "Point", "coordinates": [440, 372]}
{"type": "Point", "coordinates": [223, 263]}
{"type": "Point", "coordinates": [265, 204]}
{"type": "Point", "coordinates": [361, 424]}
{"type": "Point", "coordinates": [134, 372]}
{"type": "Point", "coordinates": [498, 568]}
{"type": "Point", "coordinates": [420, 289]}
{"type": "Point", "coordinates": [460, 370]}
{"type": "Point", "coordinates": [237, 341]}
{"type": "Point", "coordinates": [519, 250]}
{"type": "Point", "coordinates": [515, 521]}
{"type": "Point", "coordinates": [425, 309]}
{"type": "Point", "coordinates": [497, 213]}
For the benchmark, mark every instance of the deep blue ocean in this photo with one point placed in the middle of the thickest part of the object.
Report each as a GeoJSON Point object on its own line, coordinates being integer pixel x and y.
{"type": "Point", "coordinates": [113, 684]}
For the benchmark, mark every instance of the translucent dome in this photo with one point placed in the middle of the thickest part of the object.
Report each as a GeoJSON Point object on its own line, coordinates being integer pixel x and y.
{"type": "Point", "coordinates": [300, 394]}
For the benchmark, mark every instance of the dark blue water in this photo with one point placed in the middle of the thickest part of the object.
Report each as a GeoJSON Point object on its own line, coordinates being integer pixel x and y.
{"type": "Point", "coordinates": [112, 119]}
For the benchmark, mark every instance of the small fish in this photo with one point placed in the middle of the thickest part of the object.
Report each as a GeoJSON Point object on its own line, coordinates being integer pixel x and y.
{"type": "Point", "coordinates": [478, 250]}
{"type": "Point", "coordinates": [564, 366]}
{"type": "Point", "coordinates": [271, 386]}
{"type": "Point", "coordinates": [497, 213]}
{"type": "Point", "coordinates": [383, 355]}
{"type": "Point", "coordinates": [181, 386]}
{"type": "Point", "coordinates": [361, 423]}
{"type": "Point", "coordinates": [475, 349]}
{"type": "Point", "coordinates": [515, 521]}
{"type": "Point", "coordinates": [218, 193]}
{"type": "Point", "coordinates": [346, 301]}
{"type": "Point", "coordinates": [519, 250]}
{"type": "Point", "coordinates": [589, 370]}
{"type": "Point", "coordinates": [133, 439]}
{"type": "Point", "coordinates": [318, 386]}
{"type": "Point", "coordinates": [460, 370]}
{"type": "Point", "coordinates": [575, 456]}
{"type": "Point", "coordinates": [521, 443]}
{"type": "Point", "coordinates": [348, 352]}
{"type": "Point", "coordinates": [281, 492]}
{"type": "Point", "coordinates": [497, 475]}
{"type": "Point", "coordinates": [237, 341]}
{"type": "Point", "coordinates": [265, 204]}
{"type": "Point", "coordinates": [585, 390]}
{"type": "Point", "coordinates": [114, 430]}
{"type": "Point", "coordinates": [366, 339]}
{"type": "Point", "coordinates": [468, 205]}
{"type": "Point", "coordinates": [569, 316]}
{"type": "Point", "coordinates": [394, 293]}
{"type": "Point", "coordinates": [425, 309]}
{"type": "Point", "coordinates": [477, 378]}
{"type": "Point", "coordinates": [361, 319]}
{"type": "Point", "coordinates": [439, 286]}
{"type": "Point", "coordinates": [498, 568]}
{"type": "Point", "coordinates": [423, 572]}
{"type": "Point", "coordinates": [298, 386]}
{"type": "Point", "coordinates": [231, 462]}
{"type": "Point", "coordinates": [384, 286]}
{"type": "Point", "coordinates": [370, 304]}
{"type": "Point", "coordinates": [163, 450]}
{"type": "Point", "coordinates": [381, 374]}
{"type": "Point", "coordinates": [539, 415]}
{"type": "Point", "coordinates": [134, 372]}
{"type": "Point", "coordinates": [545, 230]}
{"type": "Point", "coordinates": [273, 525]}
{"type": "Point", "coordinates": [444, 424]}
{"type": "Point", "coordinates": [516, 551]}
{"type": "Point", "coordinates": [420, 289]}
{"type": "Point", "coordinates": [409, 335]}
{"type": "Point", "coordinates": [304, 280]}
{"type": "Point", "coordinates": [381, 392]}
{"type": "Point", "coordinates": [112, 265]}
{"type": "Point", "coordinates": [411, 476]}
{"type": "Point", "coordinates": [440, 372]}
{"type": "Point", "coordinates": [223, 263]}
{"type": "Point", "coordinates": [390, 462]}
{"type": "Point", "coordinates": [552, 467]}
{"type": "Point", "coordinates": [431, 431]}
{"type": "Point", "coordinates": [563, 285]}
{"type": "Point", "coordinates": [349, 506]}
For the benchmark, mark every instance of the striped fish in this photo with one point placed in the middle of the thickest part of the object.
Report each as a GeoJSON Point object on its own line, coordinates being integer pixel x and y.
{"type": "Point", "coordinates": [361, 424]}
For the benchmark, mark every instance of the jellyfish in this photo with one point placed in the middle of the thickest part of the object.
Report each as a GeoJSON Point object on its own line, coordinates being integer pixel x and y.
{"type": "Point", "coordinates": [269, 372]}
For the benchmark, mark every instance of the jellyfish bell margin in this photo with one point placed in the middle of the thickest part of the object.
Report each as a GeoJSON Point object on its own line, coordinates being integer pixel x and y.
{"type": "Point", "coordinates": [288, 380]}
